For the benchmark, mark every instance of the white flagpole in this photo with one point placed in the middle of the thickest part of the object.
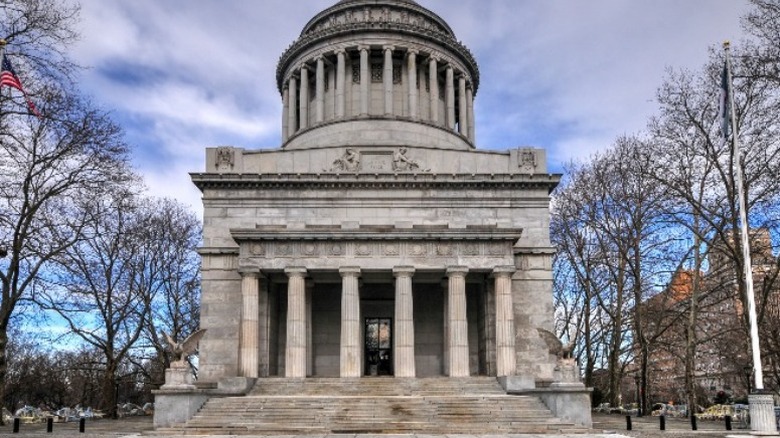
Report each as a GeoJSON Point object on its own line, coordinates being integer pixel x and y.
{"type": "Point", "coordinates": [747, 262]}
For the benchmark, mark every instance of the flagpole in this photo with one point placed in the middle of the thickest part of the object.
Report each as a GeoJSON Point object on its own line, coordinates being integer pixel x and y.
{"type": "Point", "coordinates": [747, 262]}
{"type": "Point", "coordinates": [762, 418]}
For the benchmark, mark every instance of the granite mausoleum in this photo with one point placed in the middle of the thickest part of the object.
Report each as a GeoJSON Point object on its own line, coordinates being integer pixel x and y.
{"type": "Point", "coordinates": [377, 243]}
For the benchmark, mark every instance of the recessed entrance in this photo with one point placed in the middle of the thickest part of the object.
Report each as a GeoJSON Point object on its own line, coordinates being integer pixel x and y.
{"type": "Point", "coordinates": [379, 347]}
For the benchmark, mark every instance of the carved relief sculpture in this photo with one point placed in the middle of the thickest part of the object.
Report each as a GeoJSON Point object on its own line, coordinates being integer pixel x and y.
{"type": "Point", "coordinates": [349, 162]}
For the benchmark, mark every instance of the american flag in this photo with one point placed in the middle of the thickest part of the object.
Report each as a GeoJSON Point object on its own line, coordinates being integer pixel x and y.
{"type": "Point", "coordinates": [8, 77]}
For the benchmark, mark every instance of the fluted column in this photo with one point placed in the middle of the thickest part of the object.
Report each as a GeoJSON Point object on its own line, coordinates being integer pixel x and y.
{"type": "Point", "coordinates": [248, 345]}
{"type": "Point", "coordinates": [309, 330]}
{"type": "Point", "coordinates": [388, 79]}
{"type": "Point", "coordinates": [450, 97]}
{"type": "Point", "coordinates": [505, 326]}
{"type": "Point", "coordinates": [434, 88]}
{"type": "Point", "coordinates": [285, 113]}
{"type": "Point", "coordinates": [414, 92]}
{"type": "Point", "coordinates": [470, 106]}
{"type": "Point", "coordinates": [295, 355]}
{"type": "Point", "coordinates": [463, 112]}
{"type": "Point", "coordinates": [350, 323]}
{"type": "Point", "coordinates": [404, 322]}
{"type": "Point", "coordinates": [320, 102]}
{"type": "Point", "coordinates": [292, 122]}
{"type": "Point", "coordinates": [458, 324]}
{"type": "Point", "coordinates": [341, 82]}
{"type": "Point", "coordinates": [365, 80]}
{"type": "Point", "coordinates": [304, 122]}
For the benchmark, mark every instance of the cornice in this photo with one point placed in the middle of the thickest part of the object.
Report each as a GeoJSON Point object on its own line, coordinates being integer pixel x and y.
{"type": "Point", "coordinates": [375, 181]}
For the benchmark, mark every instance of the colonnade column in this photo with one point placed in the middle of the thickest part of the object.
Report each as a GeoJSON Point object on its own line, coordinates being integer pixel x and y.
{"type": "Point", "coordinates": [463, 112]}
{"type": "Point", "coordinates": [285, 113]}
{"type": "Point", "coordinates": [411, 59]}
{"type": "Point", "coordinates": [248, 342]}
{"type": "Point", "coordinates": [304, 122]}
{"type": "Point", "coordinates": [292, 121]}
{"type": "Point", "coordinates": [309, 329]}
{"type": "Point", "coordinates": [388, 79]}
{"type": "Point", "coordinates": [450, 97]}
{"type": "Point", "coordinates": [470, 106]}
{"type": "Point", "coordinates": [433, 75]}
{"type": "Point", "coordinates": [458, 324]}
{"type": "Point", "coordinates": [350, 364]}
{"type": "Point", "coordinates": [320, 90]}
{"type": "Point", "coordinates": [341, 82]}
{"type": "Point", "coordinates": [295, 354]}
{"type": "Point", "coordinates": [404, 322]}
{"type": "Point", "coordinates": [505, 327]}
{"type": "Point", "coordinates": [365, 80]}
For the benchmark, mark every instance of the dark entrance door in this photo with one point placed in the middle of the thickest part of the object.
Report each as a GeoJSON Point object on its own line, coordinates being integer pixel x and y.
{"type": "Point", "coordinates": [379, 347]}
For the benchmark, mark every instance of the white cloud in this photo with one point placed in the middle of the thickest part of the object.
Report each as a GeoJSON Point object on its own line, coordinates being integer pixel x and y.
{"type": "Point", "coordinates": [567, 75]}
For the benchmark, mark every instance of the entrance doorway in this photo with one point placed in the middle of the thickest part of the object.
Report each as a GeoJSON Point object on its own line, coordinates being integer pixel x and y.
{"type": "Point", "coordinates": [379, 347]}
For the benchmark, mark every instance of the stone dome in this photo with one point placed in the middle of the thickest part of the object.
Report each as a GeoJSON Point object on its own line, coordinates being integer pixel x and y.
{"type": "Point", "coordinates": [388, 72]}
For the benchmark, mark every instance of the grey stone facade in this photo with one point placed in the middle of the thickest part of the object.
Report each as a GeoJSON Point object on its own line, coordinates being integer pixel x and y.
{"type": "Point", "coordinates": [377, 208]}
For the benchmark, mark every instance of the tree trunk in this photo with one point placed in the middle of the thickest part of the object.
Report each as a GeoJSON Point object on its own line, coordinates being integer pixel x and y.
{"type": "Point", "coordinates": [109, 396]}
{"type": "Point", "coordinates": [3, 367]}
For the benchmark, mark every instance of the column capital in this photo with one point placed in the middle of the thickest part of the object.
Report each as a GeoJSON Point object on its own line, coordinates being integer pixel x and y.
{"type": "Point", "coordinates": [468, 85]}
{"type": "Point", "coordinates": [340, 51]}
{"type": "Point", "coordinates": [457, 271]}
{"type": "Point", "coordinates": [503, 271]}
{"type": "Point", "coordinates": [363, 48]}
{"type": "Point", "coordinates": [388, 47]}
{"type": "Point", "coordinates": [412, 51]}
{"type": "Point", "coordinates": [249, 271]}
{"type": "Point", "coordinates": [449, 67]}
{"type": "Point", "coordinates": [295, 271]}
{"type": "Point", "coordinates": [434, 58]}
{"type": "Point", "coordinates": [403, 271]}
{"type": "Point", "coordinates": [349, 271]}
{"type": "Point", "coordinates": [319, 58]}
{"type": "Point", "coordinates": [303, 67]}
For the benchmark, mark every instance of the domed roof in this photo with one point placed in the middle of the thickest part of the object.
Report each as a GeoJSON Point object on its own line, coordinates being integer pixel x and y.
{"type": "Point", "coordinates": [410, 5]}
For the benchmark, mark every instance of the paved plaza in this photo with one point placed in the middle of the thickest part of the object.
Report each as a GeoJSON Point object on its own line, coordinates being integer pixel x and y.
{"type": "Point", "coordinates": [605, 426]}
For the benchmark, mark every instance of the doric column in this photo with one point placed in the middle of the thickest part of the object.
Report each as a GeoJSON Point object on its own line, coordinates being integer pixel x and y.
{"type": "Point", "coordinates": [309, 330]}
{"type": "Point", "coordinates": [285, 113]}
{"type": "Point", "coordinates": [505, 326]}
{"type": "Point", "coordinates": [446, 340]}
{"type": "Point", "coordinates": [341, 82]}
{"type": "Point", "coordinates": [404, 322]}
{"type": "Point", "coordinates": [458, 324]}
{"type": "Point", "coordinates": [463, 112]}
{"type": "Point", "coordinates": [350, 323]}
{"type": "Point", "coordinates": [434, 88]}
{"type": "Point", "coordinates": [320, 102]}
{"type": "Point", "coordinates": [414, 92]}
{"type": "Point", "coordinates": [292, 122]}
{"type": "Point", "coordinates": [365, 80]}
{"type": "Point", "coordinates": [304, 123]}
{"type": "Point", "coordinates": [450, 97]}
{"type": "Point", "coordinates": [470, 106]}
{"type": "Point", "coordinates": [248, 342]}
{"type": "Point", "coordinates": [388, 79]}
{"type": "Point", "coordinates": [295, 355]}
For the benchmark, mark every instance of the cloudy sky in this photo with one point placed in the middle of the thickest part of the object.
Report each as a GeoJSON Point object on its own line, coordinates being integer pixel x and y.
{"type": "Point", "coordinates": [567, 75]}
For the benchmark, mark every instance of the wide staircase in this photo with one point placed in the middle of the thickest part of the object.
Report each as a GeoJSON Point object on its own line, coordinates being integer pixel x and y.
{"type": "Point", "coordinates": [279, 406]}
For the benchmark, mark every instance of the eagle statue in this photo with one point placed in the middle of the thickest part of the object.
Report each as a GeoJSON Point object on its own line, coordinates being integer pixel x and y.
{"type": "Point", "coordinates": [555, 345]}
{"type": "Point", "coordinates": [182, 350]}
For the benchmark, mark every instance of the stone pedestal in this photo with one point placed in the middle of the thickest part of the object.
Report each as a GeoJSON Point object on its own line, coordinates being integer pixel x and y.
{"type": "Point", "coordinates": [178, 378]}
{"type": "Point", "coordinates": [762, 414]}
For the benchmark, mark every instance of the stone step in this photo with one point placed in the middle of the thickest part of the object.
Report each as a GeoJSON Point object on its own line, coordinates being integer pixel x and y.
{"type": "Point", "coordinates": [279, 406]}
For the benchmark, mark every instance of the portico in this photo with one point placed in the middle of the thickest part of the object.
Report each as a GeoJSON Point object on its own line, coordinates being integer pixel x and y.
{"type": "Point", "coordinates": [440, 316]}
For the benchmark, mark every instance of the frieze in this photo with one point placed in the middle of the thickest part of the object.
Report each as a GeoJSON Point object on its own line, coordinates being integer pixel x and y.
{"type": "Point", "coordinates": [442, 250]}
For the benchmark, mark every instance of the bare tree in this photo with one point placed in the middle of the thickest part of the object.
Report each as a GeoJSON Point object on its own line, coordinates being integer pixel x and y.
{"type": "Point", "coordinates": [46, 168]}
{"type": "Point", "coordinates": [97, 287]}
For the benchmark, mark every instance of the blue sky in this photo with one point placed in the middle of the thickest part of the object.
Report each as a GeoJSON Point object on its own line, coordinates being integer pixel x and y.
{"type": "Point", "coordinates": [566, 75]}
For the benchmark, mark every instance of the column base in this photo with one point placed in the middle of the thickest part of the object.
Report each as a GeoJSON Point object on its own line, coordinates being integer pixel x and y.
{"type": "Point", "coordinates": [762, 414]}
